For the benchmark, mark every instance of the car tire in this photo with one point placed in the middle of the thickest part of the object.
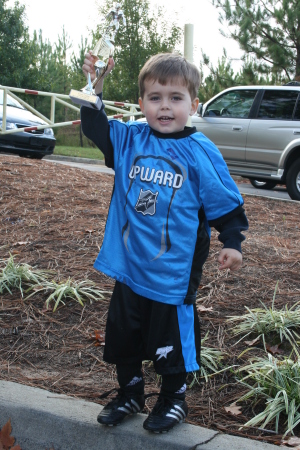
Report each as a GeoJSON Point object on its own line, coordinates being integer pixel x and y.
{"type": "Point", "coordinates": [293, 180]}
{"type": "Point", "coordinates": [36, 156]}
{"type": "Point", "coordinates": [263, 184]}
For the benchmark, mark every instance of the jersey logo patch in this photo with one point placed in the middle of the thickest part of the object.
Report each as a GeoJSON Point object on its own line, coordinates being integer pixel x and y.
{"type": "Point", "coordinates": [163, 351]}
{"type": "Point", "coordinates": [146, 203]}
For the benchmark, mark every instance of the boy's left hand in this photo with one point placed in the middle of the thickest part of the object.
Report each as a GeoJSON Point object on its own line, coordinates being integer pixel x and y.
{"type": "Point", "coordinates": [230, 258]}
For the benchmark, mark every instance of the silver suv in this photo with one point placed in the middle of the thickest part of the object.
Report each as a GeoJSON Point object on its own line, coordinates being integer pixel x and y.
{"type": "Point", "coordinates": [257, 130]}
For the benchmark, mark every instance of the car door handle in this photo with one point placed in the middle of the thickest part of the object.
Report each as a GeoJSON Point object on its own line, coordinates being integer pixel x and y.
{"type": "Point", "coordinates": [237, 128]}
{"type": "Point", "coordinates": [296, 132]}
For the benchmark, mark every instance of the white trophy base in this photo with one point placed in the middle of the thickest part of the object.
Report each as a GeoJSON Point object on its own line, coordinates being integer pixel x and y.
{"type": "Point", "coordinates": [84, 99]}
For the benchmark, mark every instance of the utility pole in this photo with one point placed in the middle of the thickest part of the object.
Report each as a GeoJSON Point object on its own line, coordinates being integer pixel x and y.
{"type": "Point", "coordinates": [189, 51]}
{"type": "Point", "coordinates": [189, 42]}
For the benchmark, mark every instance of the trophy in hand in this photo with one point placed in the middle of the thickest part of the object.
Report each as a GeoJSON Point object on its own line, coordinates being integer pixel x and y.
{"type": "Point", "coordinates": [103, 50]}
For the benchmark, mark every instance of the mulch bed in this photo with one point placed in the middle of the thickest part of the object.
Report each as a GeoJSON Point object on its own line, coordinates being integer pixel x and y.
{"type": "Point", "coordinates": [53, 217]}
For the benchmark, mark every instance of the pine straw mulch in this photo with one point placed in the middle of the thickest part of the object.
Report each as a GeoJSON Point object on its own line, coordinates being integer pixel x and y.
{"type": "Point", "coordinates": [53, 217]}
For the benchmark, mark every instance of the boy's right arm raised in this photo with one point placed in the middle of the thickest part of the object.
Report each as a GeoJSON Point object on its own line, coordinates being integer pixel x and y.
{"type": "Point", "coordinates": [94, 123]}
{"type": "Point", "coordinates": [88, 67]}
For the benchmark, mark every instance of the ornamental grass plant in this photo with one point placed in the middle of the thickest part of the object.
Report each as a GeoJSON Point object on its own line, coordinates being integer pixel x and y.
{"type": "Point", "coordinates": [274, 385]}
{"type": "Point", "coordinates": [268, 321]}
{"type": "Point", "coordinates": [211, 359]}
{"type": "Point", "coordinates": [210, 363]}
{"type": "Point", "coordinates": [19, 275]}
{"type": "Point", "coordinates": [80, 291]}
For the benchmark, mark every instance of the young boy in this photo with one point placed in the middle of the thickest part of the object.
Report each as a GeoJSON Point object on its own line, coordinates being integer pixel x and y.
{"type": "Point", "coordinates": [171, 185]}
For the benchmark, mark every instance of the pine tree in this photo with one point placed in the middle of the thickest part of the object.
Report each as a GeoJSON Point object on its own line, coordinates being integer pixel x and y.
{"type": "Point", "coordinates": [267, 30]}
{"type": "Point", "coordinates": [15, 45]}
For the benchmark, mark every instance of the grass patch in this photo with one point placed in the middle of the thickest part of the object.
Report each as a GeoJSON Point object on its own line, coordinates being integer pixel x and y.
{"type": "Point", "coordinates": [276, 384]}
{"type": "Point", "coordinates": [78, 152]}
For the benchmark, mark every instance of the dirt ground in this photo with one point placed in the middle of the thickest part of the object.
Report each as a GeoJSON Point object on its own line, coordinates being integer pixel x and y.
{"type": "Point", "coordinates": [53, 217]}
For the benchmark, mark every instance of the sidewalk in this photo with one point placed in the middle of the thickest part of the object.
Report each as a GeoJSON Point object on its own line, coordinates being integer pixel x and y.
{"type": "Point", "coordinates": [42, 420]}
{"type": "Point", "coordinates": [73, 159]}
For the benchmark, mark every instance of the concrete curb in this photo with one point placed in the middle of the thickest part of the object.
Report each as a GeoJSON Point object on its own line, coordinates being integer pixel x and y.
{"type": "Point", "coordinates": [42, 420]}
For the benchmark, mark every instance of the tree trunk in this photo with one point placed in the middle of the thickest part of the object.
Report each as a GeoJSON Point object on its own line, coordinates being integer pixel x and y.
{"type": "Point", "coordinates": [297, 69]}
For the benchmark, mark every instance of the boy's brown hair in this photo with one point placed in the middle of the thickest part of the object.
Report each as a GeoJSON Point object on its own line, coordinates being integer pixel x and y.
{"type": "Point", "coordinates": [166, 67]}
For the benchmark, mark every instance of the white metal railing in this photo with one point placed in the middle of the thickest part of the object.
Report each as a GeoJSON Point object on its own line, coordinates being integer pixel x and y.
{"type": "Point", "coordinates": [121, 109]}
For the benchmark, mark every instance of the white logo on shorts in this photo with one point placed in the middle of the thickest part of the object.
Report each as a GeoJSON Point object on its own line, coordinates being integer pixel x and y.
{"type": "Point", "coordinates": [163, 352]}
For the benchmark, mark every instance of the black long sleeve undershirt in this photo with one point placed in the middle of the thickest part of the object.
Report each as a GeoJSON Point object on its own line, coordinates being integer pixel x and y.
{"type": "Point", "coordinates": [96, 128]}
{"type": "Point", "coordinates": [230, 228]}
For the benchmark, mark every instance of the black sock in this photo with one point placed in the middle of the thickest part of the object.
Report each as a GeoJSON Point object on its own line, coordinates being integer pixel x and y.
{"type": "Point", "coordinates": [174, 385]}
{"type": "Point", "coordinates": [130, 378]}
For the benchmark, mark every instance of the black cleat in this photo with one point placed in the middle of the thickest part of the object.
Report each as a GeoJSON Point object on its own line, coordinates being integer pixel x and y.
{"type": "Point", "coordinates": [124, 404]}
{"type": "Point", "coordinates": [166, 413]}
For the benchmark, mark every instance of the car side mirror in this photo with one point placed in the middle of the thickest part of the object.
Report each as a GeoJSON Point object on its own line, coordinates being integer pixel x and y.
{"type": "Point", "coordinates": [200, 109]}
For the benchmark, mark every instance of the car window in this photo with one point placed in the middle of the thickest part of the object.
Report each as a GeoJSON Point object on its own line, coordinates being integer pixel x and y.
{"type": "Point", "coordinates": [235, 104]}
{"type": "Point", "coordinates": [277, 105]}
{"type": "Point", "coordinates": [10, 101]}
{"type": "Point", "coordinates": [297, 111]}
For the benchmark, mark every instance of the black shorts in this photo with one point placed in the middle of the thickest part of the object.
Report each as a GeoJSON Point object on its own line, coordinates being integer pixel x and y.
{"type": "Point", "coordinates": [140, 329]}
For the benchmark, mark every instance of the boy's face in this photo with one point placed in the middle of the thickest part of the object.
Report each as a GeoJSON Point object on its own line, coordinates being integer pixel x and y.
{"type": "Point", "coordinates": [167, 107]}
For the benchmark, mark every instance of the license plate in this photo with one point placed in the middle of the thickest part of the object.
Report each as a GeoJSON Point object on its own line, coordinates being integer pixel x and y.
{"type": "Point", "coordinates": [36, 142]}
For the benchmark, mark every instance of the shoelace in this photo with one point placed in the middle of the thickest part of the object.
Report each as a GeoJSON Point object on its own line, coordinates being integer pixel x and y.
{"type": "Point", "coordinates": [107, 393]}
{"type": "Point", "coordinates": [162, 403]}
{"type": "Point", "coordinates": [121, 391]}
{"type": "Point", "coordinates": [119, 398]}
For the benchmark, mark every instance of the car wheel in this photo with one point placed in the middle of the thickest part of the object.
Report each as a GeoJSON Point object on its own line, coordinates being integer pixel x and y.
{"type": "Point", "coordinates": [263, 184]}
{"type": "Point", "coordinates": [293, 180]}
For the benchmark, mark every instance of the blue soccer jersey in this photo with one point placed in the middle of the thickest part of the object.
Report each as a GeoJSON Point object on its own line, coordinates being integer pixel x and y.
{"type": "Point", "coordinates": [162, 183]}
